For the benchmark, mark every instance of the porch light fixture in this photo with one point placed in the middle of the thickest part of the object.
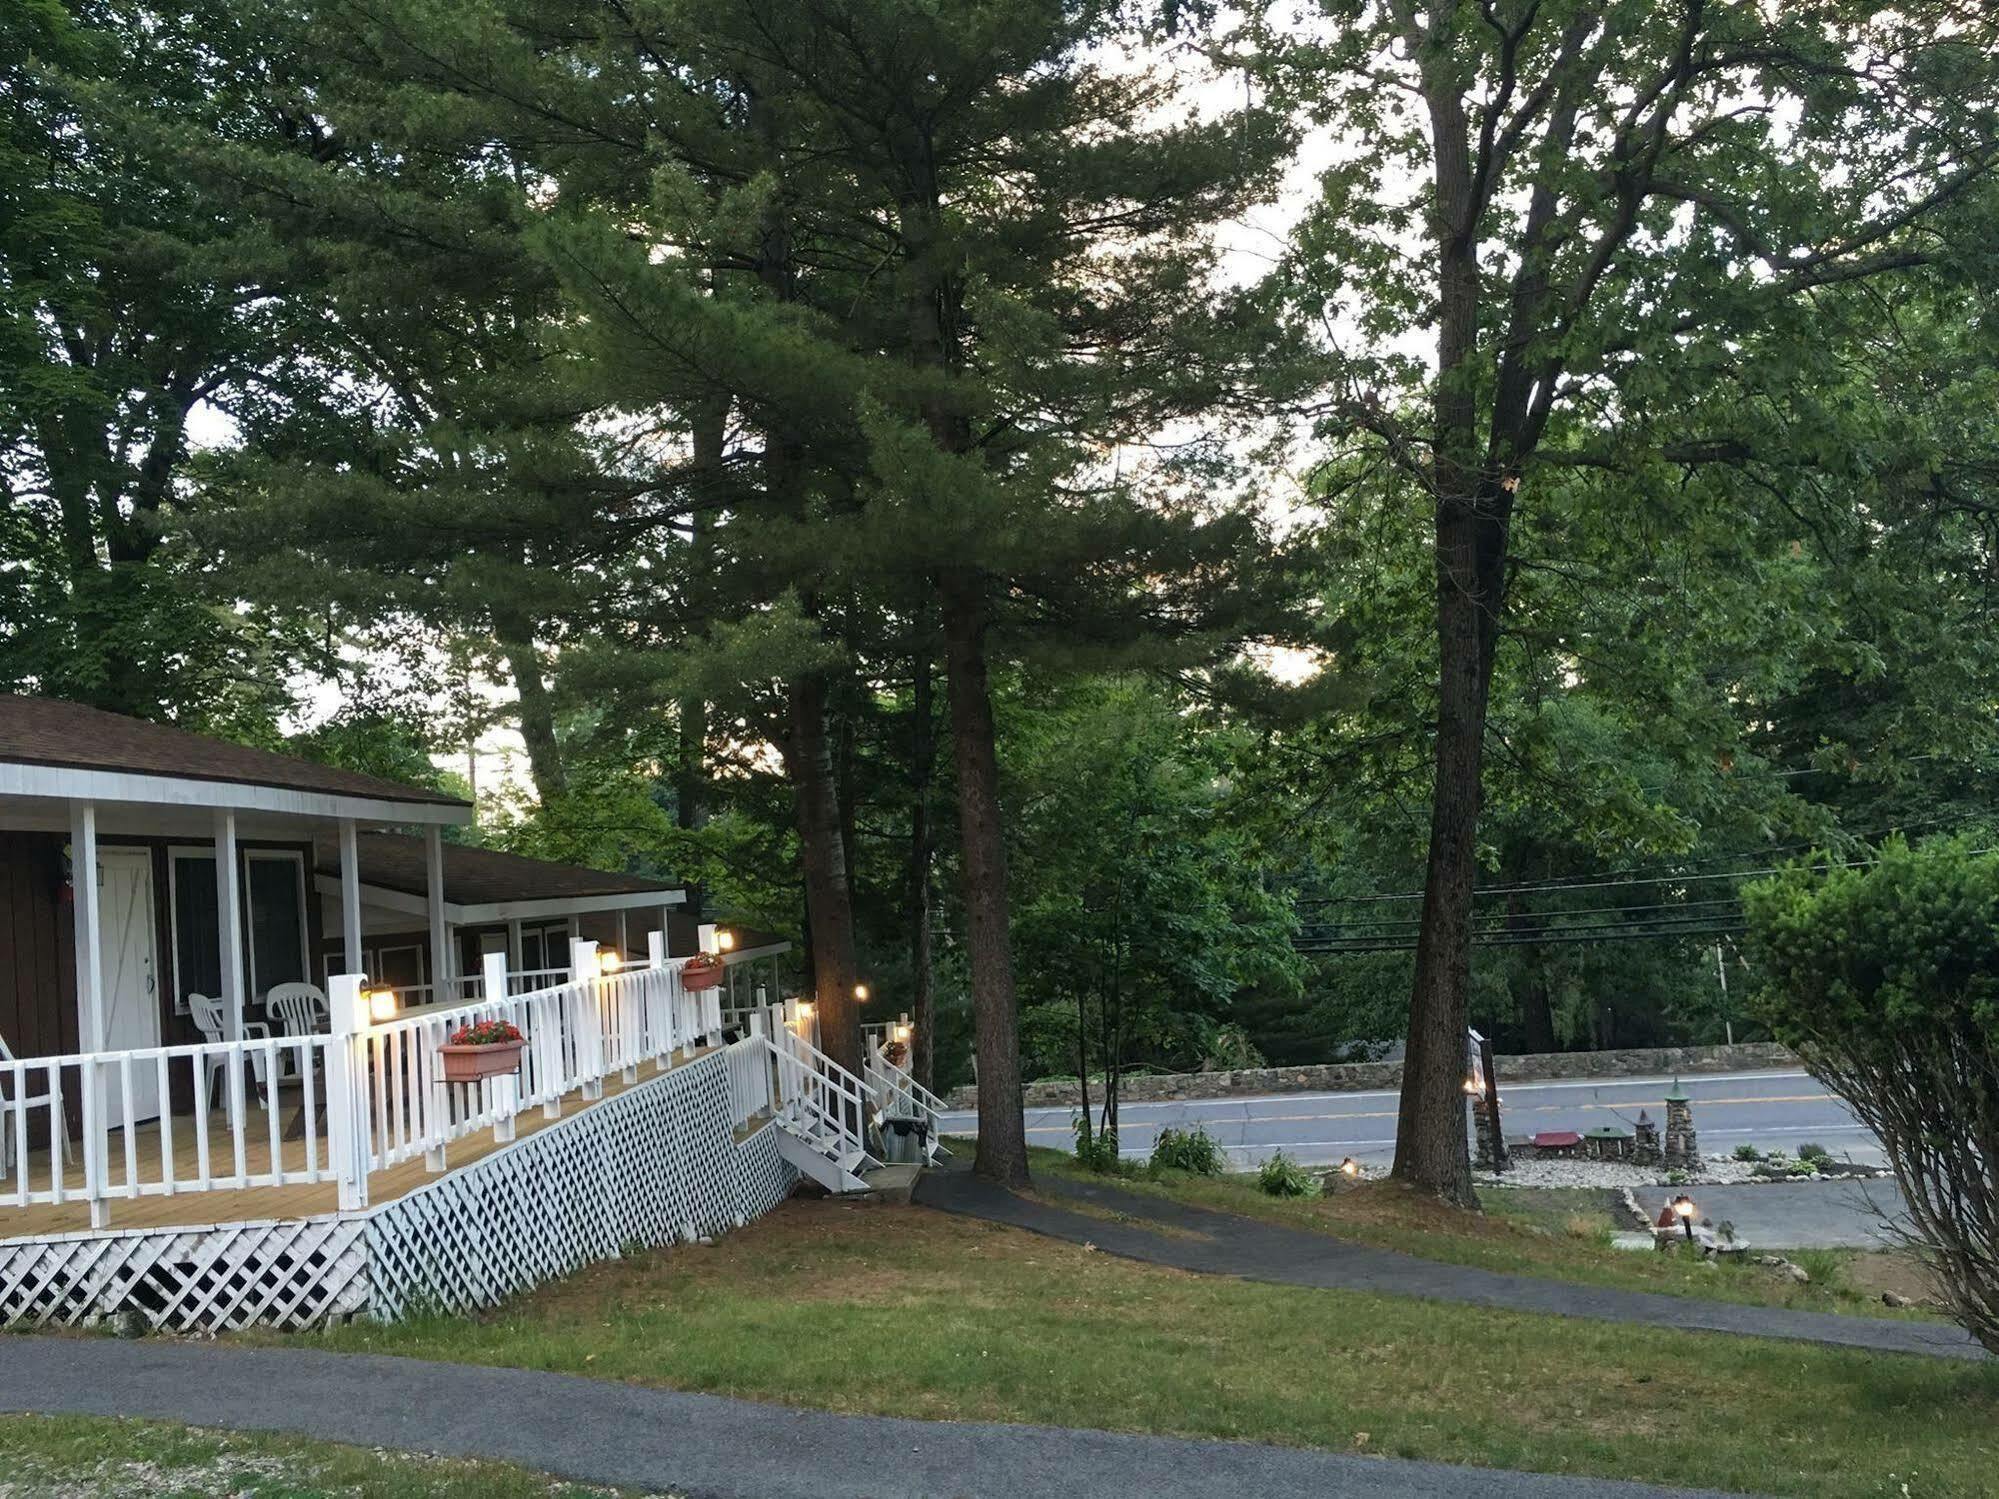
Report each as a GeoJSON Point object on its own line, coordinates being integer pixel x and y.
{"type": "Point", "coordinates": [724, 941]}
{"type": "Point", "coordinates": [861, 993]}
{"type": "Point", "coordinates": [608, 963]}
{"type": "Point", "coordinates": [900, 1032]}
{"type": "Point", "coordinates": [1472, 1087]}
{"type": "Point", "coordinates": [804, 1011]}
{"type": "Point", "coordinates": [381, 1004]}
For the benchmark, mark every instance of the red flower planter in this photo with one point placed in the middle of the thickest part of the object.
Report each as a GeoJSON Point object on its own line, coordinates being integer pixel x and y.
{"type": "Point", "coordinates": [701, 978]}
{"type": "Point", "coordinates": [471, 1064]}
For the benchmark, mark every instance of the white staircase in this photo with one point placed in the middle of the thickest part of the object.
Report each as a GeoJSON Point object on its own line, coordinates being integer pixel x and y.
{"type": "Point", "coordinates": [822, 1111]}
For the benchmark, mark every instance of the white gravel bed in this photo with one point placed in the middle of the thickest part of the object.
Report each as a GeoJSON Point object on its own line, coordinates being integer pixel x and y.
{"type": "Point", "coordinates": [1557, 1172]}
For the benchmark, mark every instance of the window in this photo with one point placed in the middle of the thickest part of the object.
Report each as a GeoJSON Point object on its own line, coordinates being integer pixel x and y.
{"type": "Point", "coordinates": [274, 902]}
{"type": "Point", "coordinates": [274, 885]}
{"type": "Point", "coordinates": [544, 945]}
{"type": "Point", "coordinates": [197, 928]}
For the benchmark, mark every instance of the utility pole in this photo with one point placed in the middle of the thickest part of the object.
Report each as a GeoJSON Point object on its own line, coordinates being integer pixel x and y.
{"type": "Point", "coordinates": [1721, 972]}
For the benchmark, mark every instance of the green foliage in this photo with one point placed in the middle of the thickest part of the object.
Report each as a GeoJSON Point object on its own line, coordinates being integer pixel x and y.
{"type": "Point", "coordinates": [1884, 977]}
{"type": "Point", "coordinates": [1097, 1150]}
{"type": "Point", "coordinates": [1814, 1154]}
{"type": "Point", "coordinates": [1280, 1176]}
{"type": "Point", "coordinates": [1146, 908]}
{"type": "Point", "coordinates": [1192, 1150]}
{"type": "Point", "coordinates": [1747, 1152]}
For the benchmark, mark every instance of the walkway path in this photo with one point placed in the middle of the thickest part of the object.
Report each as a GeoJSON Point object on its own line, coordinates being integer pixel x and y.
{"type": "Point", "coordinates": [699, 1445]}
{"type": "Point", "coordinates": [1225, 1244]}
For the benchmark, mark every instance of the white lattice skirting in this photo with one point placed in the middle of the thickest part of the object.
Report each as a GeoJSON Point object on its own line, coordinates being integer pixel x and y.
{"type": "Point", "coordinates": [656, 1164]}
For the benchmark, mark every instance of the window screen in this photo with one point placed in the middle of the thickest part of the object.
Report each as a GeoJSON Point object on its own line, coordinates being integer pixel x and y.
{"type": "Point", "coordinates": [277, 926]}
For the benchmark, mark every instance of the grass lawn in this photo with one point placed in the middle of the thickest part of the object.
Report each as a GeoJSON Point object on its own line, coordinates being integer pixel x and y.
{"type": "Point", "coordinates": [1562, 1233]}
{"type": "Point", "coordinates": [912, 1312]}
{"type": "Point", "coordinates": [83, 1457]}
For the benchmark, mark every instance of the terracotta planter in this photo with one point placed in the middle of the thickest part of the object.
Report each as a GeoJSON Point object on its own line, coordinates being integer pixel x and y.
{"type": "Point", "coordinates": [471, 1064]}
{"type": "Point", "coordinates": [700, 978]}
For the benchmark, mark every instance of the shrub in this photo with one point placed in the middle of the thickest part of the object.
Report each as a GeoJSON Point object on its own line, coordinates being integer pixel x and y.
{"type": "Point", "coordinates": [1818, 1155]}
{"type": "Point", "coordinates": [1280, 1176]}
{"type": "Point", "coordinates": [1187, 1150]}
{"type": "Point", "coordinates": [1885, 981]}
{"type": "Point", "coordinates": [1747, 1152]}
{"type": "Point", "coordinates": [1097, 1151]}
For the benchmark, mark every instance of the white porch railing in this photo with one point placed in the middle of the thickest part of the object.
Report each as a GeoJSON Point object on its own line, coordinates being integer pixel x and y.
{"type": "Point", "coordinates": [368, 1097]}
{"type": "Point", "coordinates": [750, 1059]}
{"type": "Point", "coordinates": [140, 1155]}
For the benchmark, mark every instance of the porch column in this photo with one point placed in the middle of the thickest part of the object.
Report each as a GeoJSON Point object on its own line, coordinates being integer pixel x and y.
{"type": "Point", "coordinates": [89, 952]}
{"type": "Point", "coordinates": [350, 893]}
{"type": "Point", "coordinates": [441, 965]}
{"type": "Point", "coordinates": [229, 920]}
{"type": "Point", "coordinates": [91, 1031]}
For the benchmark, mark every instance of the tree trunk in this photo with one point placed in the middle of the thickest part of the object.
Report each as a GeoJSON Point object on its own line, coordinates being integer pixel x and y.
{"type": "Point", "coordinates": [515, 634]}
{"type": "Point", "coordinates": [922, 757]}
{"type": "Point", "coordinates": [809, 759]}
{"type": "Point", "coordinates": [1430, 1148]}
{"type": "Point", "coordinates": [1002, 1152]}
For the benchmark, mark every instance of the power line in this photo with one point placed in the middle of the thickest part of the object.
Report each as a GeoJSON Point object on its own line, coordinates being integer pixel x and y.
{"type": "Point", "coordinates": [1707, 933]}
{"type": "Point", "coordinates": [1640, 874]}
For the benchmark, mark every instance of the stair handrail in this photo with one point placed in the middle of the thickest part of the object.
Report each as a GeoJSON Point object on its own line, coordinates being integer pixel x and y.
{"type": "Point", "coordinates": [805, 1075]}
{"type": "Point", "coordinates": [892, 1082]}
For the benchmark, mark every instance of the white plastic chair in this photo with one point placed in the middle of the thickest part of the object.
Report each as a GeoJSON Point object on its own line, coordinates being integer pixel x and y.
{"type": "Point", "coordinates": [59, 1146]}
{"type": "Point", "coordinates": [214, 1026]}
{"type": "Point", "coordinates": [299, 1010]}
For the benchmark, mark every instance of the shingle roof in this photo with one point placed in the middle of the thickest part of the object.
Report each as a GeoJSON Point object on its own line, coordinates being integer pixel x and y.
{"type": "Point", "coordinates": [478, 876]}
{"type": "Point", "coordinates": [48, 731]}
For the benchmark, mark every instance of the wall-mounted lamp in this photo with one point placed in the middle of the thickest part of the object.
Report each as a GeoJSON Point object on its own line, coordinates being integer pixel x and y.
{"type": "Point", "coordinates": [381, 1004]}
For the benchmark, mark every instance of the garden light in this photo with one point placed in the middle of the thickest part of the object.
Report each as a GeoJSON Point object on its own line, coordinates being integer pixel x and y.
{"type": "Point", "coordinates": [861, 993]}
{"type": "Point", "coordinates": [1472, 1087]}
{"type": "Point", "coordinates": [1349, 1167]}
{"type": "Point", "coordinates": [1683, 1208]}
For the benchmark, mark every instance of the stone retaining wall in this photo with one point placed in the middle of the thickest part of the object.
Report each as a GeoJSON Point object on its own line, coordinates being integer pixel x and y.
{"type": "Point", "coordinates": [1359, 1077]}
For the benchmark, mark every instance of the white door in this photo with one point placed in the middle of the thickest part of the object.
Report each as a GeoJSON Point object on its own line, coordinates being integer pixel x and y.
{"type": "Point", "coordinates": [131, 998]}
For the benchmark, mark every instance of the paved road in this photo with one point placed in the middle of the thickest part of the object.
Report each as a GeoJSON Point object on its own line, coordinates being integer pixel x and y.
{"type": "Point", "coordinates": [1799, 1215]}
{"type": "Point", "coordinates": [1765, 1109]}
{"type": "Point", "coordinates": [699, 1445]}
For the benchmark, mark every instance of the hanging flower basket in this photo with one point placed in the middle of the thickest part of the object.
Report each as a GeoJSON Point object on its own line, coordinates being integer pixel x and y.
{"type": "Point", "coordinates": [702, 971]}
{"type": "Point", "coordinates": [489, 1048]}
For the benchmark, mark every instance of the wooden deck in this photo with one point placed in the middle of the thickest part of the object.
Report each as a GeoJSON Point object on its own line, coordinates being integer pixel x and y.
{"type": "Point", "coordinates": [196, 1209]}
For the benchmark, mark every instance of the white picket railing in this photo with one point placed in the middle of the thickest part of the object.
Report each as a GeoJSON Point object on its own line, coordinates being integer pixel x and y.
{"type": "Point", "coordinates": [579, 1032]}
{"type": "Point", "coordinates": [123, 1160]}
{"type": "Point", "coordinates": [749, 1079]}
{"type": "Point", "coordinates": [365, 1098]}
